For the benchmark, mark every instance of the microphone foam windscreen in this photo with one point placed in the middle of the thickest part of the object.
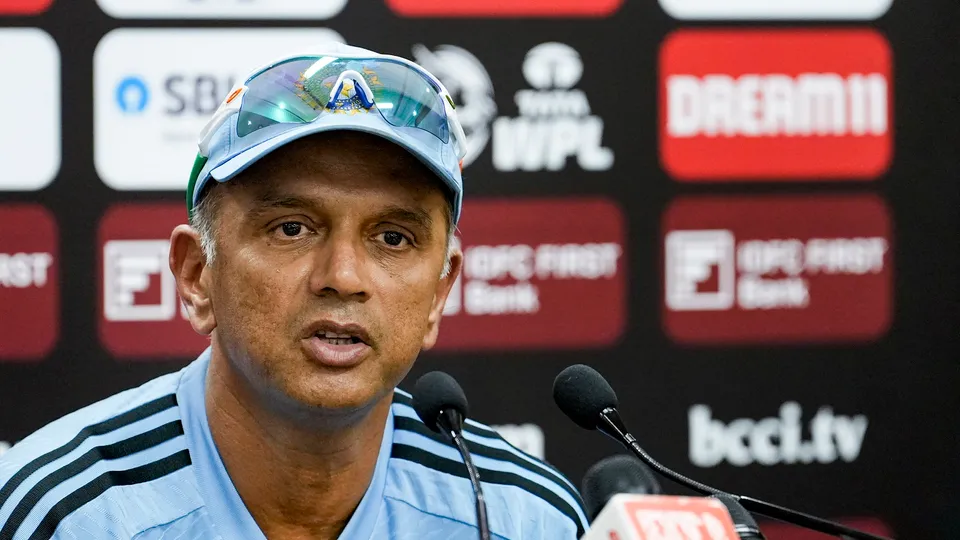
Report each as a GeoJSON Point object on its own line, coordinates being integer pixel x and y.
{"type": "Point", "coordinates": [435, 392]}
{"type": "Point", "coordinates": [582, 394]}
{"type": "Point", "coordinates": [619, 473]}
{"type": "Point", "coordinates": [743, 521]}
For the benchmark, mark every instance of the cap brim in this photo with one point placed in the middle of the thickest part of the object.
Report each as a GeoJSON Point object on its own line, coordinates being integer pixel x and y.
{"type": "Point", "coordinates": [428, 149]}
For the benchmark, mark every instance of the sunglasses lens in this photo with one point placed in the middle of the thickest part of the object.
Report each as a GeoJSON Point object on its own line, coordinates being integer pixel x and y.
{"type": "Point", "coordinates": [298, 91]}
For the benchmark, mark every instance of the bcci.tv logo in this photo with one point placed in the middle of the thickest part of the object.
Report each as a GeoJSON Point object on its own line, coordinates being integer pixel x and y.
{"type": "Point", "coordinates": [777, 269]}
{"type": "Point", "coordinates": [141, 312]}
{"type": "Point", "coordinates": [775, 105]}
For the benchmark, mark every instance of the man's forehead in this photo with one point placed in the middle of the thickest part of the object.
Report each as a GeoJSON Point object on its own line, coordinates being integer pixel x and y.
{"type": "Point", "coordinates": [319, 190]}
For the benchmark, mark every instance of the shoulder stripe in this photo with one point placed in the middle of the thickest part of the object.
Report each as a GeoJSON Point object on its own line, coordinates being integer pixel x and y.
{"type": "Point", "coordinates": [456, 468]}
{"type": "Point", "coordinates": [117, 450]}
{"type": "Point", "coordinates": [408, 424]}
{"type": "Point", "coordinates": [138, 475]}
{"type": "Point", "coordinates": [521, 458]}
{"type": "Point", "coordinates": [134, 415]}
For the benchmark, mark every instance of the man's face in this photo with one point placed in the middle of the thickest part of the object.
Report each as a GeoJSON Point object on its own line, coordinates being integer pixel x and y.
{"type": "Point", "coordinates": [327, 278]}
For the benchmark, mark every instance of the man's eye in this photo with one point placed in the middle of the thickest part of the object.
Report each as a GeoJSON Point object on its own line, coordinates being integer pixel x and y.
{"type": "Point", "coordinates": [393, 238]}
{"type": "Point", "coordinates": [291, 228]}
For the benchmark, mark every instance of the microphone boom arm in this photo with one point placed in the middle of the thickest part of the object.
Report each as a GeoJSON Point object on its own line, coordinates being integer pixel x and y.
{"type": "Point", "coordinates": [612, 425]}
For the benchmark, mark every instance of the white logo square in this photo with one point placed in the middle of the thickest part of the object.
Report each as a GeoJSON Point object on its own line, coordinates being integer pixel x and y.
{"type": "Point", "coordinates": [30, 142]}
{"type": "Point", "coordinates": [155, 89]}
{"type": "Point", "coordinates": [692, 258]}
{"type": "Point", "coordinates": [128, 266]}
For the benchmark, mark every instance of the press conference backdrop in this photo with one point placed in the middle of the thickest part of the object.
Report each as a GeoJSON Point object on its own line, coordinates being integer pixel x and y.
{"type": "Point", "coordinates": [744, 213]}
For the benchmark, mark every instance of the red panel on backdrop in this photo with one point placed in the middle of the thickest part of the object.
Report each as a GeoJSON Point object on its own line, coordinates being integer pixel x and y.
{"type": "Point", "coordinates": [785, 531]}
{"type": "Point", "coordinates": [541, 274]}
{"type": "Point", "coordinates": [139, 312]}
{"type": "Point", "coordinates": [775, 104]}
{"type": "Point", "coordinates": [23, 7]}
{"type": "Point", "coordinates": [774, 269]}
{"type": "Point", "coordinates": [503, 8]}
{"type": "Point", "coordinates": [29, 282]}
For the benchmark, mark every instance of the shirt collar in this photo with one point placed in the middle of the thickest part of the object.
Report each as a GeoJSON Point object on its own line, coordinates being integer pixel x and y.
{"type": "Point", "coordinates": [224, 505]}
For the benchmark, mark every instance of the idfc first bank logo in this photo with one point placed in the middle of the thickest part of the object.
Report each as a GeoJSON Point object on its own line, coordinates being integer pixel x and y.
{"type": "Point", "coordinates": [155, 89]}
{"type": "Point", "coordinates": [140, 310]}
{"type": "Point", "coordinates": [775, 105]}
{"type": "Point", "coordinates": [544, 274]}
{"type": "Point", "coordinates": [775, 269]}
{"type": "Point", "coordinates": [29, 283]}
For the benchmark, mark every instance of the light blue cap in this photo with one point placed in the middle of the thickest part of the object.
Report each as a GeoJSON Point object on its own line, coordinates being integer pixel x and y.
{"type": "Point", "coordinates": [228, 154]}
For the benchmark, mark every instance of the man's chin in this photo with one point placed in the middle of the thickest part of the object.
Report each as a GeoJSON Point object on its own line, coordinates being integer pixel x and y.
{"type": "Point", "coordinates": [345, 393]}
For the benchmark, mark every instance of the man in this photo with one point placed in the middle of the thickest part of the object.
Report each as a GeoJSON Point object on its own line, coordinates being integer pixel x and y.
{"type": "Point", "coordinates": [318, 262]}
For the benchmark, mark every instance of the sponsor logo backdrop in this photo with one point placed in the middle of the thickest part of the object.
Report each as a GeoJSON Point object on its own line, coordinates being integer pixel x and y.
{"type": "Point", "coordinates": [743, 212]}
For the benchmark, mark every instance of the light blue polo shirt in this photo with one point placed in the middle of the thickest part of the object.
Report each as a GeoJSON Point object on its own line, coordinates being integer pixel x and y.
{"type": "Point", "coordinates": [143, 465]}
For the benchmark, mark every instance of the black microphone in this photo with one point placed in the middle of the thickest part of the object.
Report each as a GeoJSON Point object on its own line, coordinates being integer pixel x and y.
{"type": "Point", "coordinates": [619, 473]}
{"type": "Point", "coordinates": [743, 522]}
{"type": "Point", "coordinates": [442, 405]}
{"type": "Point", "coordinates": [587, 398]}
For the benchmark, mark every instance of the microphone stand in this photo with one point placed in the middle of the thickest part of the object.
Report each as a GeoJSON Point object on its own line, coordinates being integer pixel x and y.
{"type": "Point", "coordinates": [451, 421]}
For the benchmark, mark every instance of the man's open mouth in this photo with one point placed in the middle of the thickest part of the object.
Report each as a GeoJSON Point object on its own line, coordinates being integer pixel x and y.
{"type": "Point", "coordinates": [338, 339]}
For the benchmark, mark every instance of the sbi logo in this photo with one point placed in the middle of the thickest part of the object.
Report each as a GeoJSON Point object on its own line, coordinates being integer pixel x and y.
{"type": "Point", "coordinates": [181, 94]}
{"type": "Point", "coordinates": [132, 95]}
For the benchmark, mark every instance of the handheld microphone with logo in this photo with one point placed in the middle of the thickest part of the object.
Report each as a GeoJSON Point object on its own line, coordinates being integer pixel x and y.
{"type": "Point", "coordinates": [442, 405]}
{"type": "Point", "coordinates": [683, 517]}
{"type": "Point", "coordinates": [587, 398]}
{"type": "Point", "coordinates": [659, 517]}
{"type": "Point", "coordinates": [619, 473]}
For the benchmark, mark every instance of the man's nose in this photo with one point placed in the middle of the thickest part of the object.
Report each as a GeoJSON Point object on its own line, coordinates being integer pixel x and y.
{"type": "Point", "coordinates": [341, 269]}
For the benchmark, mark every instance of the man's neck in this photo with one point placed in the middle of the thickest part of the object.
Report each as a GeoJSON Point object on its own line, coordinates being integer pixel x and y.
{"type": "Point", "coordinates": [297, 481]}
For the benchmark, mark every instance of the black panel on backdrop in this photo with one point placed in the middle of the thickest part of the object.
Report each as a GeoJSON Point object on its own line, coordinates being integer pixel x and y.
{"type": "Point", "coordinates": [829, 385]}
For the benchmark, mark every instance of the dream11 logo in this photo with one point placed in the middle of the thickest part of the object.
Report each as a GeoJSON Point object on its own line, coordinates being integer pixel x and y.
{"type": "Point", "coordinates": [761, 105]}
{"type": "Point", "coordinates": [555, 124]}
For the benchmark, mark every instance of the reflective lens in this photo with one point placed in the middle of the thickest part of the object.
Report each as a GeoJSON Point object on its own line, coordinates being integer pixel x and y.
{"type": "Point", "coordinates": [299, 90]}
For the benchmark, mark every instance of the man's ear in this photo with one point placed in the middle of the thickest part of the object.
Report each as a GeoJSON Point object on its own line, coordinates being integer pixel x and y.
{"type": "Point", "coordinates": [192, 273]}
{"type": "Point", "coordinates": [440, 299]}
